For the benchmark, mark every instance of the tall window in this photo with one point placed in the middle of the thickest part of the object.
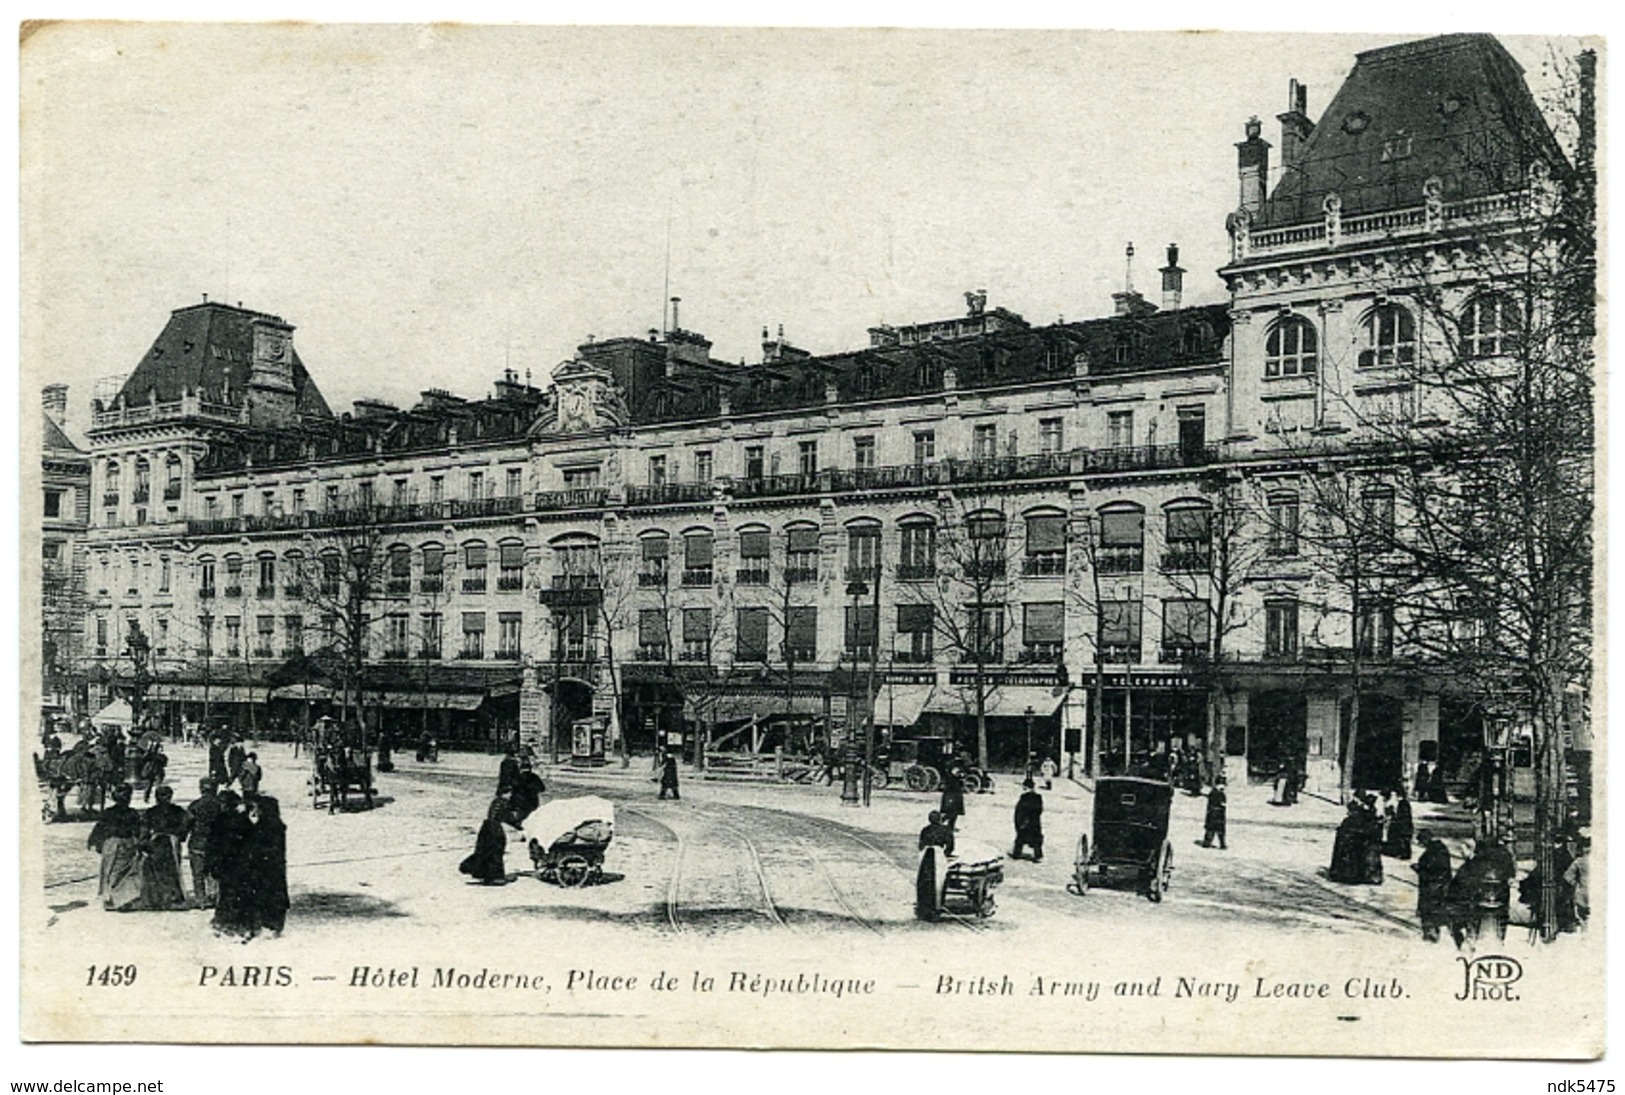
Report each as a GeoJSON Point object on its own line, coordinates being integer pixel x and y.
{"type": "Point", "coordinates": [432, 630]}
{"type": "Point", "coordinates": [396, 635]}
{"type": "Point", "coordinates": [985, 537]}
{"type": "Point", "coordinates": [655, 552]}
{"type": "Point", "coordinates": [583, 478]}
{"type": "Point", "coordinates": [53, 502]}
{"type": "Point", "coordinates": [1282, 510]}
{"type": "Point", "coordinates": [1120, 631]}
{"type": "Point", "coordinates": [863, 553]}
{"type": "Point", "coordinates": [110, 487]}
{"type": "Point", "coordinates": [1184, 630]}
{"type": "Point", "coordinates": [160, 644]}
{"type": "Point", "coordinates": [1046, 544]}
{"type": "Point", "coordinates": [473, 636]}
{"type": "Point", "coordinates": [1119, 429]}
{"type": "Point", "coordinates": [703, 470]}
{"type": "Point", "coordinates": [1389, 336]}
{"type": "Point", "coordinates": [509, 627]}
{"type": "Point", "coordinates": [698, 553]}
{"type": "Point", "coordinates": [143, 483]}
{"type": "Point", "coordinates": [264, 636]}
{"type": "Point", "coordinates": [1122, 542]}
{"type": "Point", "coordinates": [205, 630]}
{"type": "Point", "coordinates": [474, 568]}
{"type": "Point", "coordinates": [400, 569]}
{"type": "Point", "coordinates": [575, 564]}
{"type": "Point", "coordinates": [652, 635]}
{"type": "Point", "coordinates": [925, 446]}
{"type": "Point", "coordinates": [511, 566]}
{"type": "Point", "coordinates": [807, 457]}
{"type": "Point", "coordinates": [696, 635]}
{"type": "Point", "coordinates": [163, 574]}
{"type": "Point", "coordinates": [1291, 348]}
{"type": "Point", "coordinates": [234, 636]}
{"type": "Point", "coordinates": [1042, 632]}
{"type": "Point", "coordinates": [205, 571]}
{"type": "Point", "coordinates": [1050, 435]}
{"type": "Point", "coordinates": [801, 633]}
{"type": "Point", "coordinates": [514, 482]}
{"type": "Point", "coordinates": [755, 548]}
{"type": "Point", "coordinates": [265, 588]}
{"type": "Point", "coordinates": [917, 556]}
{"type": "Point", "coordinates": [1281, 629]}
{"type": "Point", "coordinates": [1190, 543]}
{"type": "Point", "coordinates": [862, 626]}
{"type": "Point", "coordinates": [330, 500]}
{"type": "Point", "coordinates": [863, 453]}
{"type": "Point", "coordinates": [657, 471]}
{"type": "Point", "coordinates": [437, 488]}
{"type": "Point", "coordinates": [476, 485]}
{"type": "Point", "coordinates": [801, 554]}
{"type": "Point", "coordinates": [1490, 325]}
{"type": "Point", "coordinates": [368, 493]}
{"type": "Point", "coordinates": [234, 576]}
{"type": "Point", "coordinates": [750, 639]}
{"type": "Point", "coordinates": [434, 569]}
{"type": "Point", "coordinates": [984, 634]}
{"type": "Point", "coordinates": [984, 441]}
{"type": "Point", "coordinates": [1377, 518]}
{"type": "Point", "coordinates": [754, 464]}
{"type": "Point", "coordinates": [1376, 629]}
{"type": "Point", "coordinates": [332, 573]}
{"type": "Point", "coordinates": [397, 493]}
{"type": "Point", "coordinates": [915, 627]}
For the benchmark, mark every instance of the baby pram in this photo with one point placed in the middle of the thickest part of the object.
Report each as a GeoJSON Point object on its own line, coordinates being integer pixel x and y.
{"type": "Point", "coordinates": [567, 839]}
{"type": "Point", "coordinates": [962, 883]}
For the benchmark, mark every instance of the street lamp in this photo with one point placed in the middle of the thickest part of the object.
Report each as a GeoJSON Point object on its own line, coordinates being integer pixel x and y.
{"type": "Point", "coordinates": [1029, 714]}
{"type": "Point", "coordinates": [849, 771]}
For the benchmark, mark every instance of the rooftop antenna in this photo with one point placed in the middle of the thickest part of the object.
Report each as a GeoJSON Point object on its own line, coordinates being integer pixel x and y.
{"type": "Point", "coordinates": [1128, 268]}
{"type": "Point", "coordinates": [665, 284]}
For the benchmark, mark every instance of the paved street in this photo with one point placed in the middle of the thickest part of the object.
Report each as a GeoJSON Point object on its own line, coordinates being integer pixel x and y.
{"type": "Point", "coordinates": [735, 858]}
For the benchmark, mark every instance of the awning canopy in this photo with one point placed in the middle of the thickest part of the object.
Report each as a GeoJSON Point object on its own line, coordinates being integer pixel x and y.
{"type": "Point", "coordinates": [213, 693]}
{"type": "Point", "coordinates": [1004, 701]}
{"type": "Point", "coordinates": [731, 706]}
{"type": "Point", "coordinates": [316, 693]}
{"type": "Point", "coordinates": [901, 704]}
{"type": "Point", "coordinates": [432, 701]}
{"type": "Point", "coordinates": [116, 712]}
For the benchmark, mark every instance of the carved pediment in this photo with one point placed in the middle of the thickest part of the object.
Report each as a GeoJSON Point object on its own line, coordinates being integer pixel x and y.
{"type": "Point", "coordinates": [585, 397]}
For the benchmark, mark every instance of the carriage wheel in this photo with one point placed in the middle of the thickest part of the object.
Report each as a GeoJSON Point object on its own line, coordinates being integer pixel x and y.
{"type": "Point", "coordinates": [878, 778]}
{"type": "Point", "coordinates": [916, 778]}
{"type": "Point", "coordinates": [985, 905]}
{"type": "Point", "coordinates": [1161, 873]}
{"type": "Point", "coordinates": [536, 857]}
{"type": "Point", "coordinates": [1080, 867]}
{"type": "Point", "coordinates": [574, 870]}
{"type": "Point", "coordinates": [973, 782]}
{"type": "Point", "coordinates": [933, 780]}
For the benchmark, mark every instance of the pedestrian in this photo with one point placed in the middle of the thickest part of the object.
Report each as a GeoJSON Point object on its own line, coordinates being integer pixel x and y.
{"type": "Point", "coordinates": [1433, 875]}
{"type": "Point", "coordinates": [117, 836]}
{"type": "Point", "coordinates": [937, 834]}
{"type": "Point", "coordinates": [1578, 876]}
{"type": "Point", "coordinates": [1371, 845]}
{"type": "Point", "coordinates": [485, 865]}
{"type": "Point", "coordinates": [217, 760]}
{"type": "Point", "coordinates": [386, 752]}
{"type": "Point", "coordinates": [153, 766]}
{"type": "Point", "coordinates": [201, 814]}
{"type": "Point", "coordinates": [1049, 770]}
{"type": "Point", "coordinates": [162, 827]}
{"type": "Point", "coordinates": [952, 804]}
{"type": "Point", "coordinates": [265, 866]}
{"type": "Point", "coordinates": [423, 747]}
{"type": "Point", "coordinates": [1421, 781]}
{"type": "Point", "coordinates": [507, 772]}
{"type": "Point", "coordinates": [1214, 823]}
{"type": "Point", "coordinates": [668, 778]}
{"type": "Point", "coordinates": [1029, 823]}
{"type": "Point", "coordinates": [1348, 853]}
{"type": "Point", "coordinates": [249, 777]}
{"type": "Point", "coordinates": [526, 794]}
{"type": "Point", "coordinates": [1436, 790]}
{"type": "Point", "coordinates": [1400, 829]}
{"type": "Point", "coordinates": [234, 912]}
{"type": "Point", "coordinates": [235, 756]}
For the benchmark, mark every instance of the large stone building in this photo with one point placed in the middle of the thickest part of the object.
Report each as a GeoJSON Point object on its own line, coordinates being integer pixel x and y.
{"type": "Point", "coordinates": [65, 513]}
{"type": "Point", "coordinates": [969, 521]}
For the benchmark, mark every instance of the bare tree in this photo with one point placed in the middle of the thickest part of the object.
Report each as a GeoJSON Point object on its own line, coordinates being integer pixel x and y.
{"type": "Point", "coordinates": [344, 570]}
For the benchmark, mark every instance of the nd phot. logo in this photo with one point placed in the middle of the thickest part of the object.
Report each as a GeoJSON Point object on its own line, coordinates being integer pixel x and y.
{"type": "Point", "coordinates": [1489, 977]}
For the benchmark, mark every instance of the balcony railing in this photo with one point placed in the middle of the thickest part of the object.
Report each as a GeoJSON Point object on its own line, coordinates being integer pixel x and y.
{"type": "Point", "coordinates": [234, 591]}
{"type": "Point", "coordinates": [657, 493]}
{"type": "Point", "coordinates": [697, 576]}
{"type": "Point", "coordinates": [1047, 564]}
{"type": "Point", "coordinates": [206, 593]}
{"type": "Point", "coordinates": [487, 507]}
{"type": "Point", "coordinates": [110, 500]}
{"type": "Point", "coordinates": [172, 492]}
{"type": "Point", "coordinates": [1149, 457]}
{"type": "Point", "coordinates": [908, 656]}
{"type": "Point", "coordinates": [1120, 559]}
{"type": "Point", "coordinates": [801, 653]}
{"type": "Point", "coordinates": [652, 579]}
{"type": "Point", "coordinates": [507, 654]}
{"type": "Point", "coordinates": [511, 580]}
{"type": "Point", "coordinates": [916, 572]}
{"type": "Point", "coordinates": [984, 568]}
{"type": "Point", "coordinates": [866, 572]}
{"type": "Point", "coordinates": [651, 652]}
{"type": "Point", "coordinates": [265, 593]}
{"type": "Point", "coordinates": [431, 583]}
{"type": "Point", "coordinates": [474, 583]}
{"type": "Point", "coordinates": [398, 585]}
{"type": "Point", "coordinates": [752, 575]}
{"type": "Point", "coordinates": [577, 580]}
{"type": "Point", "coordinates": [293, 590]}
{"type": "Point", "coordinates": [797, 574]}
{"type": "Point", "coordinates": [330, 587]}
{"type": "Point", "coordinates": [141, 495]}
{"type": "Point", "coordinates": [1039, 654]}
{"type": "Point", "coordinates": [990, 654]}
{"type": "Point", "coordinates": [859, 654]}
{"type": "Point", "coordinates": [1126, 653]}
{"type": "Point", "coordinates": [467, 655]}
{"type": "Point", "coordinates": [572, 498]}
{"type": "Point", "coordinates": [695, 652]}
{"type": "Point", "coordinates": [1194, 559]}
{"type": "Point", "coordinates": [1179, 653]}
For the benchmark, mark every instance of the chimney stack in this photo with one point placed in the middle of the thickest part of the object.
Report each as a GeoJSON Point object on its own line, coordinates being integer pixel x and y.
{"type": "Point", "coordinates": [675, 325]}
{"type": "Point", "coordinates": [1253, 166]}
{"type": "Point", "coordinates": [55, 398]}
{"type": "Point", "coordinates": [1295, 125]}
{"type": "Point", "coordinates": [1173, 280]}
{"type": "Point", "coordinates": [1129, 302]}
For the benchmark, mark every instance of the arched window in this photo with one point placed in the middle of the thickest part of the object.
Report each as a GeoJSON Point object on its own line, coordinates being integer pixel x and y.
{"type": "Point", "coordinates": [474, 564]}
{"type": "Point", "coordinates": [172, 478]}
{"type": "Point", "coordinates": [654, 555]}
{"type": "Point", "coordinates": [917, 549]}
{"type": "Point", "coordinates": [698, 554]}
{"type": "Point", "coordinates": [206, 577]}
{"type": "Point", "coordinates": [755, 555]}
{"type": "Point", "coordinates": [398, 574]}
{"type": "Point", "coordinates": [1189, 537]}
{"type": "Point", "coordinates": [511, 565]}
{"type": "Point", "coordinates": [434, 569]}
{"type": "Point", "coordinates": [863, 550]}
{"type": "Point", "coordinates": [1122, 539]}
{"type": "Point", "coordinates": [1389, 337]}
{"type": "Point", "coordinates": [332, 571]}
{"type": "Point", "coordinates": [986, 544]}
{"type": "Point", "coordinates": [234, 576]}
{"type": "Point", "coordinates": [110, 485]}
{"type": "Point", "coordinates": [293, 581]}
{"type": "Point", "coordinates": [801, 553]}
{"type": "Point", "coordinates": [143, 482]}
{"type": "Point", "coordinates": [265, 575]}
{"type": "Point", "coordinates": [1490, 325]}
{"type": "Point", "coordinates": [1046, 543]}
{"type": "Point", "coordinates": [575, 561]}
{"type": "Point", "coordinates": [1292, 348]}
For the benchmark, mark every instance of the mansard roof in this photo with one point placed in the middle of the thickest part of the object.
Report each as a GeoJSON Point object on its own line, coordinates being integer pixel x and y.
{"type": "Point", "coordinates": [1454, 107]}
{"type": "Point", "coordinates": [56, 440]}
{"type": "Point", "coordinates": [208, 349]}
{"type": "Point", "coordinates": [1114, 345]}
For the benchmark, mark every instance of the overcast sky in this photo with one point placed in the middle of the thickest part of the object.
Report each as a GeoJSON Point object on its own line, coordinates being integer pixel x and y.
{"type": "Point", "coordinates": [428, 206]}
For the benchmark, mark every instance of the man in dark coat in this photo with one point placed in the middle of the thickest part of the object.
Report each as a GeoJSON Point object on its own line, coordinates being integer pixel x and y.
{"type": "Point", "coordinates": [1029, 823]}
{"type": "Point", "coordinates": [249, 776]}
{"type": "Point", "coordinates": [526, 794]}
{"type": "Point", "coordinates": [1432, 886]}
{"type": "Point", "coordinates": [1371, 842]}
{"type": "Point", "coordinates": [234, 912]}
{"type": "Point", "coordinates": [1422, 780]}
{"type": "Point", "coordinates": [952, 806]}
{"type": "Point", "coordinates": [266, 865]}
{"type": "Point", "coordinates": [508, 772]}
{"type": "Point", "coordinates": [1215, 822]}
{"type": "Point", "coordinates": [235, 756]}
{"type": "Point", "coordinates": [201, 814]}
{"type": "Point", "coordinates": [217, 761]}
{"type": "Point", "coordinates": [668, 778]}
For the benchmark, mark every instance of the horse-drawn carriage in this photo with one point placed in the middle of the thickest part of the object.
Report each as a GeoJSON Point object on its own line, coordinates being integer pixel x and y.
{"type": "Point", "coordinates": [87, 767]}
{"type": "Point", "coordinates": [924, 764]}
{"type": "Point", "coordinates": [567, 839]}
{"type": "Point", "coordinates": [336, 772]}
{"type": "Point", "coordinates": [1130, 837]}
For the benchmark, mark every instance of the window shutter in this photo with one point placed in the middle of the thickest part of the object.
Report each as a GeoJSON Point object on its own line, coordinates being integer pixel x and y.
{"type": "Point", "coordinates": [1122, 529]}
{"type": "Point", "coordinates": [656, 547]}
{"type": "Point", "coordinates": [696, 625]}
{"type": "Point", "coordinates": [752, 633]}
{"type": "Point", "coordinates": [513, 556]}
{"type": "Point", "coordinates": [651, 627]}
{"type": "Point", "coordinates": [1185, 623]}
{"type": "Point", "coordinates": [474, 555]}
{"type": "Point", "coordinates": [1188, 524]}
{"type": "Point", "coordinates": [803, 626]}
{"type": "Point", "coordinates": [1046, 533]}
{"type": "Point", "coordinates": [754, 544]}
{"type": "Point", "coordinates": [400, 564]}
{"type": "Point", "coordinates": [473, 621]}
{"type": "Point", "coordinates": [914, 619]}
{"type": "Point", "coordinates": [434, 561]}
{"type": "Point", "coordinates": [803, 539]}
{"type": "Point", "coordinates": [1043, 623]}
{"type": "Point", "coordinates": [697, 549]}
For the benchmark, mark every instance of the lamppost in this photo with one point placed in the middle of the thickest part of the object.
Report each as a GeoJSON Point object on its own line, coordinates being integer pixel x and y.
{"type": "Point", "coordinates": [207, 623]}
{"type": "Point", "coordinates": [1029, 761]}
{"type": "Point", "coordinates": [849, 770]}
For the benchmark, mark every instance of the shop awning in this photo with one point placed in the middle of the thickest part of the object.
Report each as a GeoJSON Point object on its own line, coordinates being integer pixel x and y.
{"type": "Point", "coordinates": [432, 701]}
{"type": "Point", "coordinates": [214, 693]}
{"type": "Point", "coordinates": [316, 693]}
{"type": "Point", "coordinates": [1005, 701]}
{"type": "Point", "coordinates": [730, 706]}
{"type": "Point", "coordinates": [901, 704]}
{"type": "Point", "coordinates": [116, 712]}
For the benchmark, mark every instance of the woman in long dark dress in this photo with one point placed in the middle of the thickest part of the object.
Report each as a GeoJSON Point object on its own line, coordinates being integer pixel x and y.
{"type": "Point", "coordinates": [267, 865]}
{"type": "Point", "coordinates": [1400, 829]}
{"type": "Point", "coordinates": [1348, 849]}
{"type": "Point", "coordinates": [161, 828]}
{"type": "Point", "coordinates": [229, 842]}
{"type": "Point", "coordinates": [486, 864]}
{"type": "Point", "coordinates": [117, 836]}
{"type": "Point", "coordinates": [1433, 887]}
{"type": "Point", "coordinates": [1371, 846]}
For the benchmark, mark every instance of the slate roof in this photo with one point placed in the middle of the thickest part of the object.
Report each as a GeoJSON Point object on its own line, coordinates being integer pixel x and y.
{"type": "Point", "coordinates": [57, 442]}
{"type": "Point", "coordinates": [208, 348]}
{"type": "Point", "coordinates": [1455, 107]}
